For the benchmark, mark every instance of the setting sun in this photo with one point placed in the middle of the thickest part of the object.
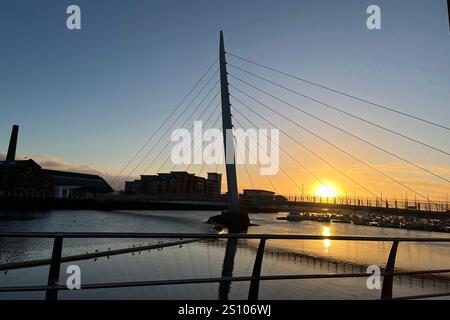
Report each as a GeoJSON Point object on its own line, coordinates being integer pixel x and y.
{"type": "Point", "coordinates": [326, 190]}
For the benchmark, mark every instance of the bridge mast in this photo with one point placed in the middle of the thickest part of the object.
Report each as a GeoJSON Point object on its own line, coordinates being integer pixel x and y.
{"type": "Point", "coordinates": [228, 143]}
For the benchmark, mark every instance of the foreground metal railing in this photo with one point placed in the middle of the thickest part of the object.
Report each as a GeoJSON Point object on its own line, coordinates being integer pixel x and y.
{"type": "Point", "coordinates": [52, 288]}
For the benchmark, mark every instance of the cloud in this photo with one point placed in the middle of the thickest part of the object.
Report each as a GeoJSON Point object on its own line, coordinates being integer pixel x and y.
{"type": "Point", "coordinates": [55, 163]}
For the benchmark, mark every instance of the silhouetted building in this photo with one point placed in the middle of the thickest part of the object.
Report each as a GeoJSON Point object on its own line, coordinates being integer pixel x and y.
{"type": "Point", "coordinates": [258, 195]}
{"type": "Point", "coordinates": [214, 183]}
{"type": "Point", "coordinates": [280, 199]}
{"type": "Point", "coordinates": [74, 183]}
{"type": "Point", "coordinates": [176, 183]}
{"type": "Point", "coordinates": [26, 177]}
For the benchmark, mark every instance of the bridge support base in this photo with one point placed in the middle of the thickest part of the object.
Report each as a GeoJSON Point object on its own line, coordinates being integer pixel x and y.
{"type": "Point", "coordinates": [236, 222]}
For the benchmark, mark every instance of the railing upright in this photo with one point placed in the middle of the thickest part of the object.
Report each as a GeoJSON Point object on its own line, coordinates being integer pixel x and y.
{"type": "Point", "coordinates": [55, 266]}
{"type": "Point", "coordinates": [388, 280]}
{"type": "Point", "coordinates": [254, 284]}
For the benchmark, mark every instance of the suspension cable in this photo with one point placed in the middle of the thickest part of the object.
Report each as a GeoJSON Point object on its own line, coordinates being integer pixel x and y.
{"type": "Point", "coordinates": [164, 122]}
{"type": "Point", "coordinates": [184, 123]}
{"type": "Point", "coordinates": [255, 157]}
{"type": "Point", "coordinates": [343, 93]}
{"type": "Point", "coordinates": [221, 154]}
{"type": "Point", "coordinates": [215, 122]}
{"type": "Point", "coordinates": [343, 130]}
{"type": "Point", "coordinates": [304, 147]}
{"type": "Point", "coordinates": [245, 166]}
{"type": "Point", "coordinates": [184, 137]}
{"type": "Point", "coordinates": [257, 161]}
{"type": "Point", "coordinates": [343, 111]}
{"type": "Point", "coordinates": [340, 149]}
{"type": "Point", "coordinates": [179, 116]}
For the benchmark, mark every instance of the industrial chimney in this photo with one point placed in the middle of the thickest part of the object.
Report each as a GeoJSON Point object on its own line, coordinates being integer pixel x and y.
{"type": "Point", "coordinates": [11, 156]}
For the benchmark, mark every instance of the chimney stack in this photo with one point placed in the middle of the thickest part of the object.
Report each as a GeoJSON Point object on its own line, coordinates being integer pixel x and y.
{"type": "Point", "coordinates": [11, 156]}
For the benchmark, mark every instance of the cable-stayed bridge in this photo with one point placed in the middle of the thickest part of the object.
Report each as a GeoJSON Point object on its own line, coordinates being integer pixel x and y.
{"type": "Point", "coordinates": [248, 94]}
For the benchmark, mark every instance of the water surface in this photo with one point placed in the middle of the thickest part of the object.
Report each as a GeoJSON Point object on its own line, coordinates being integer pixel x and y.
{"type": "Point", "coordinates": [214, 258]}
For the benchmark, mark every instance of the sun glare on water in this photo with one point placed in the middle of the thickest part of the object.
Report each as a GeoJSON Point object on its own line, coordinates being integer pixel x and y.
{"type": "Point", "coordinates": [326, 242]}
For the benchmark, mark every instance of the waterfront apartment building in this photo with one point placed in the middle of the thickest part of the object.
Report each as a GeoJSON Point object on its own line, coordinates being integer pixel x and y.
{"type": "Point", "coordinates": [176, 183]}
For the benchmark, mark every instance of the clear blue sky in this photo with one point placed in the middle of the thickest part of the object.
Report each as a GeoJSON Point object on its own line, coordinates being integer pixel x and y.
{"type": "Point", "coordinates": [93, 96]}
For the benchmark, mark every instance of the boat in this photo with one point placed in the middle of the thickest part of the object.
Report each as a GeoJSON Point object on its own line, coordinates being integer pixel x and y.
{"type": "Point", "coordinates": [294, 216]}
{"type": "Point", "coordinates": [340, 221]}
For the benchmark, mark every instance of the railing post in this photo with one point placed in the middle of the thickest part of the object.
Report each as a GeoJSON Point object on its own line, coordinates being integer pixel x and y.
{"type": "Point", "coordinates": [254, 284]}
{"type": "Point", "coordinates": [55, 264]}
{"type": "Point", "coordinates": [388, 280]}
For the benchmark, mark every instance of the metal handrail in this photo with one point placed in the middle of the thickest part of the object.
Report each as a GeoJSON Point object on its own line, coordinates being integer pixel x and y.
{"type": "Point", "coordinates": [52, 288]}
{"type": "Point", "coordinates": [143, 235]}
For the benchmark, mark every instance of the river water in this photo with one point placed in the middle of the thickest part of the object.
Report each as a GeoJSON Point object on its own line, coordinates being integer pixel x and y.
{"type": "Point", "coordinates": [213, 258]}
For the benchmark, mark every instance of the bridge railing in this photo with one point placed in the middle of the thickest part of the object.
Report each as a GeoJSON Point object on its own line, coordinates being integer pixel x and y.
{"type": "Point", "coordinates": [355, 201]}
{"type": "Point", "coordinates": [441, 206]}
{"type": "Point", "coordinates": [52, 288]}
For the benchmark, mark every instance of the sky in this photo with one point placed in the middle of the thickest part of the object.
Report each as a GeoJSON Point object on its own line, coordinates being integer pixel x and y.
{"type": "Point", "coordinates": [88, 99]}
